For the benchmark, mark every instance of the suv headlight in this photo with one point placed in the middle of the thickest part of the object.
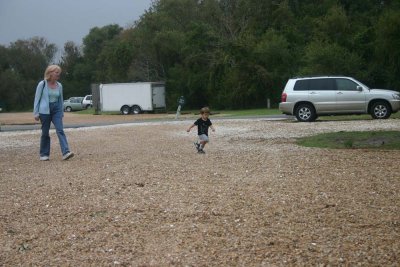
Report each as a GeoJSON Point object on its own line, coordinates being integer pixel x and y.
{"type": "Point", "coordinates": [396, 96]}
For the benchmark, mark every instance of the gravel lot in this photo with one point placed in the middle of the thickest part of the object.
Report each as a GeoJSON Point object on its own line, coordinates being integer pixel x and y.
{"type": "Point", "coordinates": [139, 195]}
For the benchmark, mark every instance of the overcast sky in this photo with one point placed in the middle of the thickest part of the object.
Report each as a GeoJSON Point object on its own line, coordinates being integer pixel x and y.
{"type": "Point", "coordinates": [65, 20]}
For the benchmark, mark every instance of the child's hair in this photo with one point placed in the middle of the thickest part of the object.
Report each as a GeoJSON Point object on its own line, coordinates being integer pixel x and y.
{"type": "Point", "coordinates": [204, 110]}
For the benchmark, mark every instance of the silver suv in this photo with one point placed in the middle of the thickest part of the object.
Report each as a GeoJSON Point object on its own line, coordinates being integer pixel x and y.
{"type": "Point", "coordinates": [307, 98]}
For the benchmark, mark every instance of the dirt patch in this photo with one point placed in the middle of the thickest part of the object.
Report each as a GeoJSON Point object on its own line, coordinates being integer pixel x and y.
{"type": "Point", "coordinates": [75, 118]}
{"type": "Point", "coordinates": [139, 195]}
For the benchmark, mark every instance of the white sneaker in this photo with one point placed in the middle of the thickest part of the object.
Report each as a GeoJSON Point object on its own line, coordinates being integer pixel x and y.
{"type": "Point", "coordinates": [44, 158]}
{"type": "Point", "coordinates": [68, 155]}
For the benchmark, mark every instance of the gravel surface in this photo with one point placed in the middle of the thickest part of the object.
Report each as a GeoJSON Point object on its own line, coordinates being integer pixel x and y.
{"type": "Point", "coordinates": [139, 195]}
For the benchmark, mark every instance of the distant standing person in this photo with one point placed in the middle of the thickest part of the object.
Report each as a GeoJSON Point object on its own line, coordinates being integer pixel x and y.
{"type": "Point", "coordinates": [48, 107]}
{"type": "Point", "coordinates": [203, 123]}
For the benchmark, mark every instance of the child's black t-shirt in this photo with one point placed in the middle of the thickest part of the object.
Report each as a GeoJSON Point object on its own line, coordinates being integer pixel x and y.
{"type": "Point", "coordinates": [202, 126]}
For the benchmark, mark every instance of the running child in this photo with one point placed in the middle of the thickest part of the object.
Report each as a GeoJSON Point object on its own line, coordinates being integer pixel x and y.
{"type": "Point", "coordinates": [203, 123]}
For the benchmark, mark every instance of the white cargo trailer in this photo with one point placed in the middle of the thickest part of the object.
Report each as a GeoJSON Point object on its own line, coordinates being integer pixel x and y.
{"type": "Point", "coordinates": [132, 97]}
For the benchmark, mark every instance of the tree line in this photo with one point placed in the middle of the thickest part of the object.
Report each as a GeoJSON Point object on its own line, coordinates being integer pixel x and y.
{"type": "Point", "coordinates": [227, 54]}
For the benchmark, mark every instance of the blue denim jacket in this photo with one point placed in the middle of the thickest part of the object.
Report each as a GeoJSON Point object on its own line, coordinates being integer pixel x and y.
{"type": "Point", "coordinates": [41, 104]}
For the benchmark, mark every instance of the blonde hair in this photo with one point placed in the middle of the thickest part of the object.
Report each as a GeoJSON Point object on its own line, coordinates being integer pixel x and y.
{"type": "Point", "coordinates": [204, 110]}
{"type": "Point", "coordinates": [50, 69]}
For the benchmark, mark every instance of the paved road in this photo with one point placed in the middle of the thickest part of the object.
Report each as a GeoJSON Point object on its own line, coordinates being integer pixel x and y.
{"type": "Point", "coordinates": [28, 127]}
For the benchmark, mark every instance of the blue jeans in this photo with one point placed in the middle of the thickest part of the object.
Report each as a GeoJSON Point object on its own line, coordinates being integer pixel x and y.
{"type": "Point", "coordinates": [55, 116]}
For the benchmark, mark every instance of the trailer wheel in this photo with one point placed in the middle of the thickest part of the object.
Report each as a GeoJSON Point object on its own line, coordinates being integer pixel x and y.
{"type": "Point", "coordinates": [125, 110]}
{"type": "Point", "coordinates": [136, 109]}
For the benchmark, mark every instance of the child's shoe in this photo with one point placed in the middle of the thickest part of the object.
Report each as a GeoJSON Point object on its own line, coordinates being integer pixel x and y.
{"type": "Point", "coordinates": [197, 145]}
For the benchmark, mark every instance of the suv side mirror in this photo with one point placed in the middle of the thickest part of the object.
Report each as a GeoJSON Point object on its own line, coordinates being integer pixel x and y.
{"type": "Point", "coordinates": [359, 88]}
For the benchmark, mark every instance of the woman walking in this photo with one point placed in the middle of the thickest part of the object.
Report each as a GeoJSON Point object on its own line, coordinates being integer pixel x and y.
{"type": "Point", "coordinates": [48, 107]}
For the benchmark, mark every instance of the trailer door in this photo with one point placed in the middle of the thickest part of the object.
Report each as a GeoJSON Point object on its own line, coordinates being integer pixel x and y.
{"type": "Point", "coordinates": [158, 96]}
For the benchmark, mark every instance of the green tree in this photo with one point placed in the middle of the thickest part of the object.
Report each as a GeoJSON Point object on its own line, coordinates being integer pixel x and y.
{"type": "Point", "coordinates": [274, 63]}
{"type": "Point", "coordinates": [93, 45]}
{"type": "Point", "coordinates": [22, 66]}
{"type": "Point", "coordinates": [115, 59]}
{"type": "Point", "coordinates": [73, 83]}
{"type": "Point", "coordinates": [238, 53]}
{"type": "Point", "coordinates": [387, 49]}
{"type": "Point", "coordinates": [334, 26]}
{"type": "Point", "coordinates": [322, 58]}
{"type": "Point", "coordinates": [30, 57]}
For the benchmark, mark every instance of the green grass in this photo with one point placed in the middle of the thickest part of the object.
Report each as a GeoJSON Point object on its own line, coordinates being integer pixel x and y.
{"type": "Point", "coordinates": [354, 140]}
{"type": "Point", "coordinates": [353, 117]}
{"type": "Point", "coordinates": [261, 112]}
{"type": "Point", "coordinates": [255, 112]}
{"type": "Point", "coordinates": [245, 112]}
{"type": "Point", "coordinates": [248, 112]}
{"type": "Point", "coordinates": [92, 112]}
{"type": "Point", "coordinates": [236, 113]}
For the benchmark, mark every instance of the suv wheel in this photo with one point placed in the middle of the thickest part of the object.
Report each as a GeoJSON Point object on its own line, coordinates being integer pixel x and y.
{"type": "Point", "coordinates": [305, 113]}
{"type": "Point", "coordinates": [380, 110]}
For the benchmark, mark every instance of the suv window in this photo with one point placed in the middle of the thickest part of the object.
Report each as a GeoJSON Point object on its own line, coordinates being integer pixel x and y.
{"type": "Point", "coordinates": [315, 85]}
{"type": "Point", "coordinates": [346, 85]}
{"type": "Point", "coordinates": [301, 85]}
{"type": "Point", "coordinates": [321, 85]}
